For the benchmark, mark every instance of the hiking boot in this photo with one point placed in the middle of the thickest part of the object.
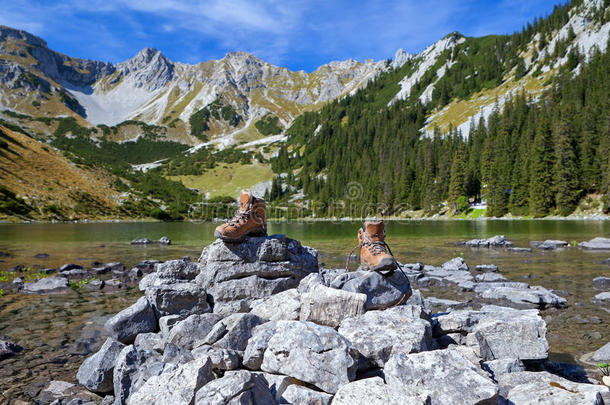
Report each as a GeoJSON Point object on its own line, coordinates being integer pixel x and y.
{"type": "Point", "coordinates": [249, 220]}
{"type": "Point", "coordinates": [375, 254]}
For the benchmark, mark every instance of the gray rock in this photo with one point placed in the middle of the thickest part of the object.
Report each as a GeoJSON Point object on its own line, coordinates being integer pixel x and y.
{"type": "Point", "coordinates": [498, 241]}
{"type": "Point", "coordinates": [233, 331]}
{"type": "Point", "coordinates": [222, 359]}
{"type": "Point", "coordinates": [257, 268]}
{"type": "Point", "coordinates": [373, 391]}
{"type": "Point", "coordinates": [329, 306]}
{"type": "Point", "coordinates": [174, 271]}
{"type": "Point", "coordinates": [285, 305]}
{"type": "Point", "coordinates": [311, 353]}
{"type": "Point", "coordinates": [148, 266]}
{"type": "Point", "coordinates": [116, 266]}
{"type": "Point", "coordinates": [455, 264]}
{"type": "Point", "coordinates": [57, 391]}
{"type": "Point", "coordinates": [379, 334]}
{"type": "Point", "coordinates": [528, 387]}
{"type": "Point", "coordinates": [503, 366]}
{"type": "Point", "coordinates": [138, 318]}
{"type": "Point", "coordinates": [95, 285]}
{"type": "Point", "coordinates": [143, 241]}
{"type": "Point", "coordinates": [601, 298]}
{"type": "Point", "coordinates": [177, 387]}
{"type": "Point", "coordinates": [134, 274]}
{"type": "Point", "coordinates": [601, 283]}
{"type": "Point", "coordinates": [534, 295]}
{"type": "Point", "coordinates": [486, 267]}
{"type": "Point", "coordinates": [307, 283]}
{"type": "Point", "coordinates": [47, 285]}
{"type": "Point", "coordinates": [165, 240]}
{"type": "Point", "coordinates": [8, 349]}
{"type": "Point", "coordinates": [596, 244]}
{"type": "Point", "coordinates": [192, 329]}
{"type": "Point", "coordinates": [96, 371]}
{"type": "Point", "coordinates": [132, 369]}
{"type": "Point", "coordinates": [602, 355]}
{"type": "Point", "coordinates": [166, 323]}
{"type": "Point", "coordinates": [457, 381]}
{"type": "Point", "coordinates": [70, 266]}
{"type": "Point", "coordinates": [100, 270]}
{"type": "Point", "coordinates": [490, 277]}
{"type": "Point", "coordinates": [150, 342]}
{"type": "Point", "coordinates": [70, 274]}
{"type": "Point", "coordinates": [174, 355]}
{"type": "Point", "coordinates": [113, 283]}
{"type": "Point", "coordinates": [550, 244]}
{"type": "Point", "coordinates": [257, 344]}
{"type": "Point", "coordinates": [299, 395]}
{"type": "Point", "coordinates": [499, 332]}
{"type": "Point", "coordinates": [17, 281]}
{"type": "Point", "coordinates": [444, 304]}
{"type": "Point", "coordinates": [236, 387]}
{"type": "Point", "coordinates": [178, 299]}
{"type": "Point", "coordinates": [381, 291]}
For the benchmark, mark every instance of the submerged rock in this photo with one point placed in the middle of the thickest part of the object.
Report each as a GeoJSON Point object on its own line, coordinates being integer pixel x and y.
{"type": "Point", "coordinates": [8, 349]}
{"type": "Point", "coordinates": [601, 283]}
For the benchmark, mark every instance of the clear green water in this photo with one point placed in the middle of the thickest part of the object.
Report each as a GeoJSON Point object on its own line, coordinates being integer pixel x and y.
{"type": "Point", "coordinates": [50, 326]}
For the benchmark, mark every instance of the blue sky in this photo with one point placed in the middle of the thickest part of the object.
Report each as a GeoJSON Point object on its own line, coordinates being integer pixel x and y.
{"type": "Point", "coordinates": [297, 34]}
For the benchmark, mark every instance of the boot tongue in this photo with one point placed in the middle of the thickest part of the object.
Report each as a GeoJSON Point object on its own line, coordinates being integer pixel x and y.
{"type": "Point", "coordinates": [374, 229]}
{"type": "Point", "coordinates": [245, 200]}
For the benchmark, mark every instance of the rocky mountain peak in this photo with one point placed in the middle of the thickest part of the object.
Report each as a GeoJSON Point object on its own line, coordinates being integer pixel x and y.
{"type": "Point", "coordinates": [20, 35]}
{"type": "Point", "coordinates": [400, 58]}
{"type": "Point", "coordinates": [149, 69]}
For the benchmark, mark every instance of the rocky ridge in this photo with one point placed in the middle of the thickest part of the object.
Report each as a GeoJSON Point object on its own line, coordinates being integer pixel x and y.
{"type": "Point", "coordinates": [375, 338]}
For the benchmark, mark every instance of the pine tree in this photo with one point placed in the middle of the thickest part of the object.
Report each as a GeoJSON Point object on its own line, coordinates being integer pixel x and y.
{"type": "Point", "coordinates": [520, 189]}
{"type": "Point", "coordinates": [457, 182]}
{"type": "Point", "coordinates": [566, 171]}
{"type": "Point", "coordinates": [541, 169]}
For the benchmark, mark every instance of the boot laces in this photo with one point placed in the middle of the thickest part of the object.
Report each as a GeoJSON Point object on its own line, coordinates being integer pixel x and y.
{"type": "Point", "coordinates": [374, 246]}
{"type": "Point", "coordinates": [239, 218]}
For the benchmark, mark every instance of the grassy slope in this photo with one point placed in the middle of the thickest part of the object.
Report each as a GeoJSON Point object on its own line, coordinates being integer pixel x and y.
{"type": "Point", "coordinates": [227, 179]}
{"type": "Point", "coordinates": [43, 177]}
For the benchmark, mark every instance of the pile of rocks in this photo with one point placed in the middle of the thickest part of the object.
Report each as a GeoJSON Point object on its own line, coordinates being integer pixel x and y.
{"type": "Point", "coordinates": [498, 241]}
{"type": "Point", "coordinates": [259, 323]}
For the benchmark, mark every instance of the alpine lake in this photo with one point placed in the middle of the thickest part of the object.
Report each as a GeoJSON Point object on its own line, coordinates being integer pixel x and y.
{"type": "Point", "coordinates": [58, 331]}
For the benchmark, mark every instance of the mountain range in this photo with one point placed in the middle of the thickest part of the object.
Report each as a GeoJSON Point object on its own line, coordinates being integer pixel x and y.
{"type": "Point", "coordinates": [148, 105]}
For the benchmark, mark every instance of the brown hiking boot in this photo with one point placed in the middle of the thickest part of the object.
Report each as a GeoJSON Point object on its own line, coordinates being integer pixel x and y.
{"type": "Point", "coordinates": [250, 219]}
{"type": "Point", "coordinates": [374, 252]}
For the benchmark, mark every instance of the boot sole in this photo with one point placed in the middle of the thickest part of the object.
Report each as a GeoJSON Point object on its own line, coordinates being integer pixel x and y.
{"type": "Point", "coordinates": [380, 267]}
{"type": "Point", "coordinates": [220, 236]}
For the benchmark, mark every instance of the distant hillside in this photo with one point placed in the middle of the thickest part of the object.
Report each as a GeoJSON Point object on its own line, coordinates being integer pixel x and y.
{"type": "Point", "coordinates": [520, 121]}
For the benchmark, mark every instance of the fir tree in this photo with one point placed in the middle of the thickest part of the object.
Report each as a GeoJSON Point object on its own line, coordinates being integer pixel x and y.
{"type": "Point", "coordinates": [457, 182]}
{"type": "Point", "coordinates": [541, 173]}
{"type": "Point", "coordinates": [566, 171]}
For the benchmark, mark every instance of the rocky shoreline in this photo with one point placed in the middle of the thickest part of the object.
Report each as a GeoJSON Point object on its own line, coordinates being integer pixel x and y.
{"type": "Point", "coordinates": [260, 323]}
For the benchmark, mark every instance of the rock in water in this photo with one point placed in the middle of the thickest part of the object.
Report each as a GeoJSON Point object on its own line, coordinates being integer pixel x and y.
{"type": "Point", "coordinates": [8, 349]}
{"type": "Point", "coordinates": [165, 240]}
{"type": "Point", "coordinates": [329, 306]}
{"type": "Point", "coordinates": [237, 274]}
{"type": "Point", "coordinates": [445, 375]}
{"type": "Point", "coordinates": [373, 391]}
{"type": "Point", "coordinates": [138, 318]}
{"type": "Point", "coordinates": [96, 371]}
{"type": "Point", "coordinates": [47, 285]}
{"type": "Point", "coordinates": [498, 241]}
{"type": "Point", "coordinates": [176, 387]}
{"type": "Point", "coordinates": [596, 244]}
{"type": "Point", "coordinates": [601, 283]}
{"type": "Point", "coordinates": [236, 387]}
{"type": "Point", "coordinates": [311, 353]}
{"type": "Point", "coordinates": [379, 334]}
